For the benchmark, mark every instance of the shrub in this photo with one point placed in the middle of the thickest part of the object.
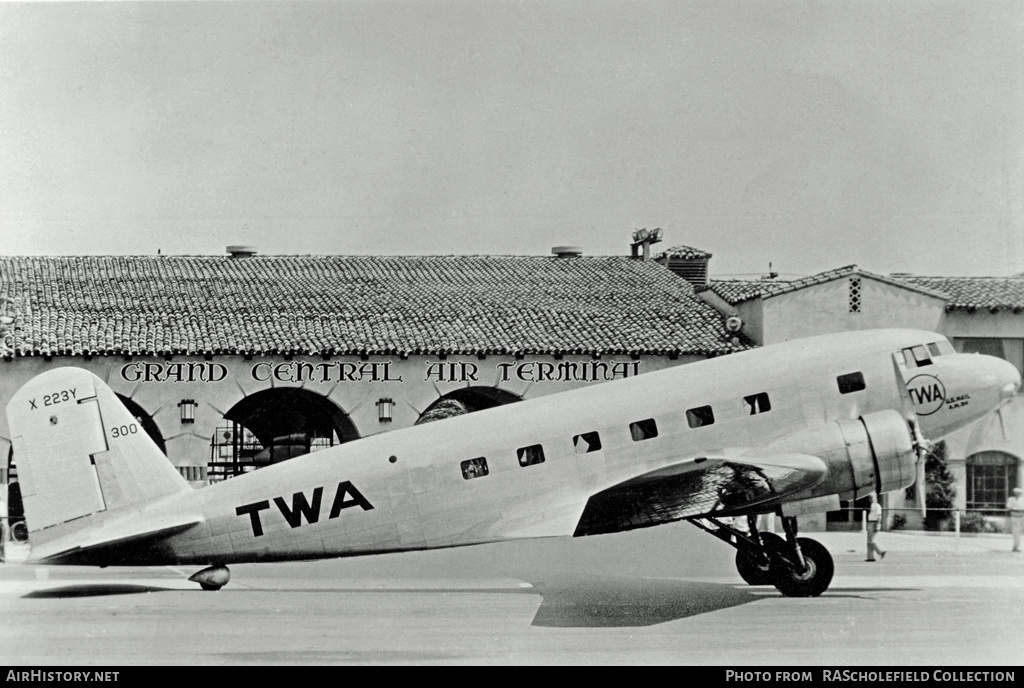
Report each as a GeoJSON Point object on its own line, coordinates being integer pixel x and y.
{"type": "Point", "coordinates": [973, 523]}
{"type": "Point", "coordinates": [899, 522]}
{"type": "Point", "coordinates": [941, 490]}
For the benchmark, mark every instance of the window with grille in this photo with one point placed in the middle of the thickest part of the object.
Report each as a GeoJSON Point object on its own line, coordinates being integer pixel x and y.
{"type": "Point", "coordinates": [991, 477]}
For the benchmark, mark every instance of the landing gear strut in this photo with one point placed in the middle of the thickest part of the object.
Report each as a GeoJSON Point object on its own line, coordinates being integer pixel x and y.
{"type": "Point", "coordinates": [796, 566]}
{"type": "Point", "coordinates": [212, 578]}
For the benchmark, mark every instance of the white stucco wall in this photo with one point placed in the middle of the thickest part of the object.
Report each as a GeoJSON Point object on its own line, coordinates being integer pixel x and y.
{"type": "Point", "coordinates": [982, 323]}
{"type": "Point", "coordinates": [824, 308]}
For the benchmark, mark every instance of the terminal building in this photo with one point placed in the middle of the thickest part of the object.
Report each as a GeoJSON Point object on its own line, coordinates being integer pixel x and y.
{"type": "Point", "coordinates": [231, 363]}
{"type": "Point", "coordinates": [236, 362]}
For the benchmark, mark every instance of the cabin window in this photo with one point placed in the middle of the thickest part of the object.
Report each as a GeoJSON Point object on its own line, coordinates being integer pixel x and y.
{"type": "Point", "coordinates": [700, 416]}
{"type": "Point", "coordinates": [643, 430]}
{"type": "Point", "coordinates": [758, 403]}
{"type": "Point", "coordinates": [528, 456]}
{"type": "Point", "coordinates": [851, 382]}
{"type": "Point", "coordinates": [587, 442]}
{"type": "Point", "coordinates": [474, 468]}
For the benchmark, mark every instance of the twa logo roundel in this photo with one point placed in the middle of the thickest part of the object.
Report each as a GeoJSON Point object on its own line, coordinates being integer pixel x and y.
{"type": "Point", "coordinates": [927, 393]}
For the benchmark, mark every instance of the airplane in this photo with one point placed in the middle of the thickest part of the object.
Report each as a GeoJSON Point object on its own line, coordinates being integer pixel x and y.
{"type": "Point", "coordinates": [785, 429]}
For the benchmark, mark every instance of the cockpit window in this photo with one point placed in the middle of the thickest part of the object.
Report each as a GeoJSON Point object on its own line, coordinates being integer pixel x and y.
{"type": "Point", "coordinates": [917, 357]}
{"type": "Point", "coordinates": [941, 348]}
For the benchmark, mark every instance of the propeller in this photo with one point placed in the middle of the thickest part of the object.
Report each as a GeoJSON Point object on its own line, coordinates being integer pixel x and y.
{"type": "Point", "coordinates": [921, 448]}
{"type": "Point", "coordinates": [921, 445]}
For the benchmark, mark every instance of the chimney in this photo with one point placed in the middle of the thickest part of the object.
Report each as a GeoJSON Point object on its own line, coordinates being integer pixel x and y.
{"type": "Point", "coordinates": [567, 251]}
{"type": "Point", "coordinates": [687, 262]}
{"type": "Point", "coordinates": [241, 251]}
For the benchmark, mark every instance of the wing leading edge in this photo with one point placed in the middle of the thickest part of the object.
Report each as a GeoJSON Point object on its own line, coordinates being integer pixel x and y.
{"type": "Point", "coordinates": [699, 487]}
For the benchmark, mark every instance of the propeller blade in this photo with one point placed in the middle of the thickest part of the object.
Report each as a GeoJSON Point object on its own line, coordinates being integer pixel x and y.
{"type": "Point", "coordinates": [921, 448]}
{"type": "Point", "coordinates": [921, 445]}
{"type": "Point", "coordinates": [919, 482]}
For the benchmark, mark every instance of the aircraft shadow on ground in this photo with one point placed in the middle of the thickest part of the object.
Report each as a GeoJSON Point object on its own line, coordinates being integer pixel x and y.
{"type": "Point", "coordinates": [610, 602]}
{"type": "Point", "coordinates": [93, 590]}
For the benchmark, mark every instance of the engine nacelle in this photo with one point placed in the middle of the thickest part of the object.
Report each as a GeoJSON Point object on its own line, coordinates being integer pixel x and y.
{"type": "Point", "coordinates": [873, 453]}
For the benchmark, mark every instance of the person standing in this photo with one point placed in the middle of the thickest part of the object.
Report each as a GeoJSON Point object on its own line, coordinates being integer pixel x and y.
{"type": "Point", "coordinates": [874, 523]}
{"type": "Point", "coordinates": [3, 523]}
{"type": "Point", "coordinates": [1015, 505]}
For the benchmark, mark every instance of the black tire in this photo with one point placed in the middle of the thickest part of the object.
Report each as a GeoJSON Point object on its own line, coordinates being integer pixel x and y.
{"type": "Point", "coordinates": [753, 569]}
{"type": "Point", "coordinates": [209, 586]}
{"type": "Point", "coordinates": [19, 532]}
{"type": "Point", "coordinates": [810, 583]}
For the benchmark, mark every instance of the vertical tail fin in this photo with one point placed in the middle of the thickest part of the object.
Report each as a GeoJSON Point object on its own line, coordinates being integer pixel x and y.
{"type": "Point", "coordinates": [80, 452]}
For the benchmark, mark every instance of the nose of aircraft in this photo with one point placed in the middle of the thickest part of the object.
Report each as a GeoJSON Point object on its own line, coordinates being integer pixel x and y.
{"type": "Point", "coordinates": [1011, 376]}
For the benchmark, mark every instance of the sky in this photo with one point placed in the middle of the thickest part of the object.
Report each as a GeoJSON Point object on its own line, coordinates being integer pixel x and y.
{"type": "Point", "coordinates": [808, 135]}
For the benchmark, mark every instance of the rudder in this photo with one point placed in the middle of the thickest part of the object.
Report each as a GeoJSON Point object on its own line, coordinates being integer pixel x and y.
{"type": "Point", "coordinates": [80, 451]}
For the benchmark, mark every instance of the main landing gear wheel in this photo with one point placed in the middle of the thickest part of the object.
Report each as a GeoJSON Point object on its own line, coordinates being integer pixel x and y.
{"type": "Point", "coordinates": [811, 582]}
{"type": "Point", "coordinates": [756, 570]}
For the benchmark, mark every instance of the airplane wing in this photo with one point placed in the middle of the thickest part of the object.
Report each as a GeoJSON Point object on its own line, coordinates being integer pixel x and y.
{"type": "Point", "coordinates": [702, 486]}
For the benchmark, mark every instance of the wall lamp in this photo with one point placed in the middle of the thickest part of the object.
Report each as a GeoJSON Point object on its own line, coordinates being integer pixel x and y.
{"type": "Point", "coordinates": [188, 410]}
{"type": "Point", "coordinates": [385, 407]}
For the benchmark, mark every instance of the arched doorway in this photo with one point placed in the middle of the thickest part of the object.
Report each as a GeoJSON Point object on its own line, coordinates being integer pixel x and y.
{"type": "Point", "coordinates": [466, 400]}
{"type": "Point", "coordinates": [275, 425]}
{"type": "Point", "coordinates": [991, 477]}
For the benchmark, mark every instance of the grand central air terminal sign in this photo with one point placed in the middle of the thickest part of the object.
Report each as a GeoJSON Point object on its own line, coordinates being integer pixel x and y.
{"type": "Point", "coordinates": [381, 371]}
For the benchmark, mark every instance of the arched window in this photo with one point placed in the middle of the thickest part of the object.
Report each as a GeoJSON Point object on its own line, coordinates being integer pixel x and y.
{"type": "Point", "coordinates": [466, 400]}
{"type": "Point", "coordinates": [991, 476]}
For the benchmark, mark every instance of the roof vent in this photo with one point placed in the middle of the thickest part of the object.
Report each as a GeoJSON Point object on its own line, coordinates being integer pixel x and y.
{"type": "Point", "coordinates": [567, 251]}
{"type": "Point", "coordinates": [241, 251]}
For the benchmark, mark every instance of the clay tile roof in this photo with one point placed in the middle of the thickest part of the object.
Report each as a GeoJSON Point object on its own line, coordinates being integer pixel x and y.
{"type": "Point", "coordinates": [683, 252]}
{"type": "Point", "coordinates": [389, 305]}
{"type": "Point", "coordinates": [973, 293]}
{"type": "Point", "coordinates": [737, 291]}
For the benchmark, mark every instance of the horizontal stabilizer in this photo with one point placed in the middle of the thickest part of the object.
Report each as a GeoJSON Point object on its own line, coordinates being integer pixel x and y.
{"type": "Point", "coordinates": [80, 546]}
{"type": "Point", "coordinates": [699, 486]}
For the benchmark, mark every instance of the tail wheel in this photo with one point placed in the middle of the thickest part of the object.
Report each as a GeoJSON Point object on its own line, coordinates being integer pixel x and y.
{"type": "Point", "coordinates": [754, 569]}
{"type": "Point", "coordinates": [810, 582]}
{"type": "Point", "coordinates": [19, 532]}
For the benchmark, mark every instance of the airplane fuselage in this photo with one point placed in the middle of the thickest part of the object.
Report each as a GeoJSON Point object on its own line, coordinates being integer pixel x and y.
{"type": "Point", "coordinates": [528, 469]}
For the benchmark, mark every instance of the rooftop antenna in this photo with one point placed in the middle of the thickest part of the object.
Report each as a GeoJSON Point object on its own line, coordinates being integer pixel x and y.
{"type": "Point", "coordinates": [644, 238]}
